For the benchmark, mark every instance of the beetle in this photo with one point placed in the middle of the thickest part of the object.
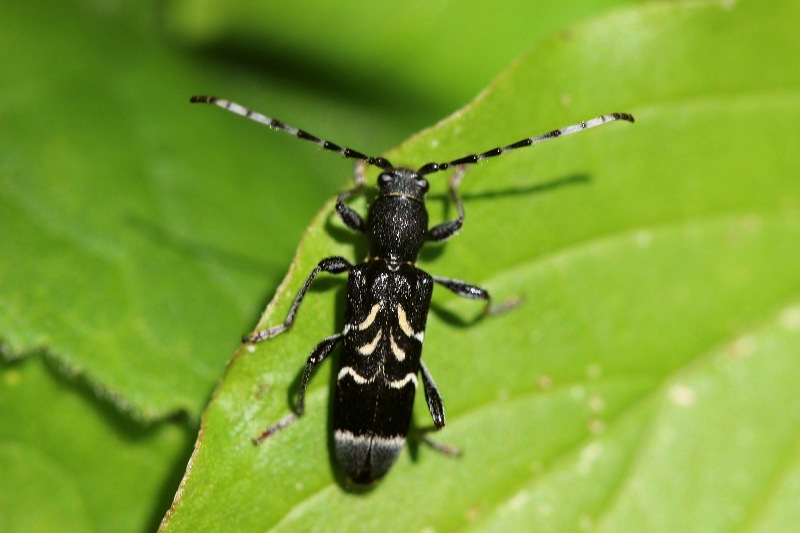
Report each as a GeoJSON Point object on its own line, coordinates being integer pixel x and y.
{"type": "Point", "coordinates": [388, 298]}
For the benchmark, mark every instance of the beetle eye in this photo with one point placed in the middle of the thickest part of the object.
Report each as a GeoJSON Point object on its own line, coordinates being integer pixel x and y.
{"type": "Point", "coordinates": [423, 184]}
{"type": "Point", "coordinates": [385, 178]}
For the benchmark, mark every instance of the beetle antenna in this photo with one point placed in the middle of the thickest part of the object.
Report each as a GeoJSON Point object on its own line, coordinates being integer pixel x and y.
{"type": "Point", "coordinates": [233, 107]}
{"type": "Point", "coordinates": [430, 168]}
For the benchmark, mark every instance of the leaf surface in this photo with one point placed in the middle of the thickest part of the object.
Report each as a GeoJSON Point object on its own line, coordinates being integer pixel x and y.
{"type": "Point", "coordinates": [648, 381]}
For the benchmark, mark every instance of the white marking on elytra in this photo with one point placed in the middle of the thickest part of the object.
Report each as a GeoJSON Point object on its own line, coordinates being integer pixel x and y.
{"type": "Point", "coordinates": [342, 436]}
{"type": "Point", "coordinates": [402, 319]}
{"type": "Point", "coordinates": [411, 377]}
{"type": "Point", "coordinates": [371, 317]}
{"type": "Point", "coordinates": [367, 322]}
{"type": "Point", "coordinates": [367, 349]}
{"type": "Point", "coordinates": [361, 380]}
{"type": "Point", "coordinates": [400, 383]}
{"type": "Point", "coordinates": [396, 350]}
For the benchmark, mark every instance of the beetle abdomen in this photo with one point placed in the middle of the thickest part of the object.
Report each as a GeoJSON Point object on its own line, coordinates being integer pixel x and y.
{"type": "Point", "coordinates": [371, 416]}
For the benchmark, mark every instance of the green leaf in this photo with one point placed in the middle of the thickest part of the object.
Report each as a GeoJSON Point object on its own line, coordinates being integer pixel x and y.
{"type": "Point", "coordinates": [131, 251]}
{"type": "Point", "coordinates": [141, 235]}
{"type": "Point", "coordinates": [129, 254]}
{"type": "Point", "coordinates": [418, 55]}
{"type": "Point", "coordinates": [70, 464]}
{"type": "Point", "coordinates": [649, 380]}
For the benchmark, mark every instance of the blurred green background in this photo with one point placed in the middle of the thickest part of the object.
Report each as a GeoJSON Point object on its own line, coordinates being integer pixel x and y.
{"type": "Point", "coordinates": [647, 383]}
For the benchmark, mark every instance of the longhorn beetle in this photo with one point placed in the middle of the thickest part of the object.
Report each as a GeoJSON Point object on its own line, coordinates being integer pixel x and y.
{"type": "Point", "coordinates": [388, 299]}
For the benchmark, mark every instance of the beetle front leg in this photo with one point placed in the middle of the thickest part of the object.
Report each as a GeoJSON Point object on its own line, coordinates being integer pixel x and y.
{"type": "Point", "coordinates": [348, 215]}
{"type": "Point", "coordinates": [334, 265]}
{"type": "Point", "coordinates": [445, 230]}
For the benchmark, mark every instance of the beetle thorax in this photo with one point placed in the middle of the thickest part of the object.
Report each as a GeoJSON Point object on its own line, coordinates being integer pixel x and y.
{"type": "Point", "coordinates": [397, 225]}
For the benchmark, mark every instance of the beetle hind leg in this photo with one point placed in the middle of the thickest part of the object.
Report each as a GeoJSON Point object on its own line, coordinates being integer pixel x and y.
{"type": "Point", "coordinates": [321, 351]}
{"type": "Point", "coordinates": [444, 449]}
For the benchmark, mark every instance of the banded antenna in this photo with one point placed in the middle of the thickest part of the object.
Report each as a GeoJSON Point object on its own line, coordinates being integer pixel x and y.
{"type": "Point", "coordinates": [233, 107]}
{"type": "Point", "coordinates": [430, 168]}
{"type": "Point", "coordinates": [384, 163]}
